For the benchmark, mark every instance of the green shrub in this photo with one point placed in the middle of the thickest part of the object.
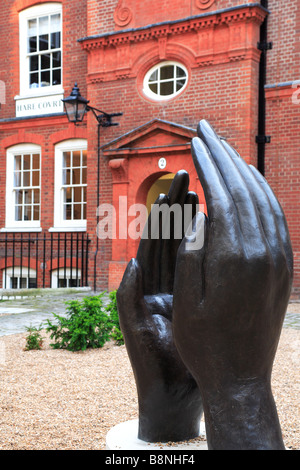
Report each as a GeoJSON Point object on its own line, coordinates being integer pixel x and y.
{"type": "Point", "coordinates": [116, 333]}
{"type": "Point", "coordinates": [86, 325]}
{"type": "Point", "coordinates": [34, 340]}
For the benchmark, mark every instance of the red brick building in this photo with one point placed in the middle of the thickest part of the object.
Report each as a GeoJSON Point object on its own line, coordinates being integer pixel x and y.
{"type": "Point", "coordinates": [164, 65]}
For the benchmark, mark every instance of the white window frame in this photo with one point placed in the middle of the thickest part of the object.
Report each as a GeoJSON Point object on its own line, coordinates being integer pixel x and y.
{"type": "Point", "coordinates": [8, 273]}
{"type": "Point", "coordinates": [10, 223]}
{"type": "Point", "coordinates": [61, 225]}
{"type": "Point", "coordinates": [32, 13]}
{"type": "Point", "coordinates": [157, 96]}
{"type": "Point", "coordinates": [65, 273]}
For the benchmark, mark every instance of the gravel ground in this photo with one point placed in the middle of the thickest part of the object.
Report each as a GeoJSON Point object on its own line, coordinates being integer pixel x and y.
{"type": "Point", "coordinates": [60, 400]}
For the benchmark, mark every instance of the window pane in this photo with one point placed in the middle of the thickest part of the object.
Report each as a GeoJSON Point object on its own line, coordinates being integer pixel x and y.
{"type": "Point", "coordinates": [45, 78]}
{"type": "Point", "coordinates": [77, 212]}
{"type": "Point", "coordinates": [36, 212]}
{"type": "Point", "coordinates": [77, 194]}
{"type": "Point", "coordinates": [66, 177]}
{"type": "Point", "coordinates": [32, 44]}
{"type": "Point", "coordinates": [62, 283]}
{"type": "Point", "coordinates": [74, 283]}
{"type": "Point", "coordinates": [26, 162]}
{"type": "Point", "coordinates": [154, 76]}
{"type": "Point", "coordinates": [68, 195]}
{"type": "Point", "coordinates": [44, 42]}
{"type": "Point", "coordinates": [34, 63]}
{"type": "Point", "coordinates": [32, 27]}
{"type": "Point", "coordinates": [35, 178]}
{"type": "Point", "coordinates": [36, 196]}
{"type": "Point", "coordinates": [14, 283]}
{"type": "Point", "coordinates": [27, 212]}
{"type": "Point", "coordinates": [23, 283]}
{"type": "Point", "coordinates": [167, 72]}
{"type": "Point", "coordinates": [56, 59]}
{"type": "Point", "coordinates": [84, 194]}
{"type": "Point", "coordinates": [56, 77]}
{"type": "Point", "coordinates": [76, 159]}
{"type": "Point", "coordinates": [17, 179]}
{"type": "Point", "coordinates": [32, 283]}
{"type": "Point", "coordinates": [43, 25]}
{"type": "Point", "coordinates": [167, 88]}
{"type": "Point", "coordinates": [84, 212]}
{"type": "Point", "coordinates": [84, 179]}
{"type": "Point", "coordinates": [67, 211]}
{"type": "Point", "coordinates": [66, 159]}
{"type": "Point", "coordinates": [154, 87]}
{"type": "Point", "coordinates": [18, 162]}
{"type": "Point", "coordinates": [28, 197]}
{"type": "Point", "coordinates": [84, 160]}
{"type": "Point", "coordinates": [55, 40]}
{"type": "Point", "coordinates": [45, 61]}
{"type": "Point", "coordinates": [180, 84]}
{"type": "Point", "coordinates": [26, 178]}
{"type": "Point", "coordinates": [76, 176]}
{"type": "Point", "coordinates": [36, 161]}
{"type": "Point", "coordinates": [18, 213]}
{"type": "Point", "coordinates": [55, 23]}
{"type": "Point", "coordinates": [34, 80]}
{"type": "Point", "coordinates": [180, 72]}
{"type": "Point", "coordinates": [19, 197]}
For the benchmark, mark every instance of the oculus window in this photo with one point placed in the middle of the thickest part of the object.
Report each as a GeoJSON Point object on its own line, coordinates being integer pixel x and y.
{"type": "Point", "coordinates": [165, 80]}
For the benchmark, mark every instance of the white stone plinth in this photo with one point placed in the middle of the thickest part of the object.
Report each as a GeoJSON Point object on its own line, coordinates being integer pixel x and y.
{"type": "Point", "coordinates": [124, 437]}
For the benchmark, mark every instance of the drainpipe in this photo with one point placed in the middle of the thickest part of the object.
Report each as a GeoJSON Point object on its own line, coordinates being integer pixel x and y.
{"type": "Point", "coordinates": [261, 138]}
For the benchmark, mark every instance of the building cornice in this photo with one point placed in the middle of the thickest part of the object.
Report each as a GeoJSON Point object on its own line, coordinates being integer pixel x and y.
{"type": "Point", "coordinates": [249, 11]}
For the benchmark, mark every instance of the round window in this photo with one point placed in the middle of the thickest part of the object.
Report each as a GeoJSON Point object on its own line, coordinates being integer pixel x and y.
{"type": "Point", "coordinates": [166, 80]}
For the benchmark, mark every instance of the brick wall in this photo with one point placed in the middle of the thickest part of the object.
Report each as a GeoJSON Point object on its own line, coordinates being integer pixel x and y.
{"type": "Point", "coordinates": [283, 117]}
{"type": "Point", "coordinates": [224, 92]}
{"type": "Point", "coordinates": [283, 31]}
{"type": "Point", "coordinates": [21, 131]}
{"type": "Point", "coordinates": [123, 14]}
{"type": "Point", "coordinates": [74, 59]}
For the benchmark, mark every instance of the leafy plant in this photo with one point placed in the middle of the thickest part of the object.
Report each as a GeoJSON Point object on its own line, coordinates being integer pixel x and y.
{"type": "Point", "coordinates": [112, 309]}
{"type": "Point", "coordinates": [86, 325]}
{"type": "Point", "coordinates": [34, 340]}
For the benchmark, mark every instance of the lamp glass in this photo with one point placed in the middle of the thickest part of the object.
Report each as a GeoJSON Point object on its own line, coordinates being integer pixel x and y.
{"type": "Point", "coordinates": [70, 109]}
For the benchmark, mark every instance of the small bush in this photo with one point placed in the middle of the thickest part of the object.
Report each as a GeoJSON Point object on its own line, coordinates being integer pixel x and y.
{"type": "Point", "coordinates": [86, 325]}
{"type": "Point", "coordinates": [112, 309]}
{"type": "Point", "coordinates": [34, 340]}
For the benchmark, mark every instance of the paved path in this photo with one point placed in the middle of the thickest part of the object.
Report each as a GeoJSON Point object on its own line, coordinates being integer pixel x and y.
{"type": "Point", "coordinates": [17, 314]}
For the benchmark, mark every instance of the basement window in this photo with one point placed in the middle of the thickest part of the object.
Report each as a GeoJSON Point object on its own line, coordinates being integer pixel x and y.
{"type": "Point", "coordinates": [19, 277]}
{"type": "Point", "coordinates": [165, 81]}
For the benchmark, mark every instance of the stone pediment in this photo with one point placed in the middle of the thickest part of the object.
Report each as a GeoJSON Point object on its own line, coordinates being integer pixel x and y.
{"type": "Point", "coordinates": [154, 136]}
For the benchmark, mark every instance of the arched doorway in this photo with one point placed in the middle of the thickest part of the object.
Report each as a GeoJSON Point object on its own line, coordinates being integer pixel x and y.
{"type": "Point", "coordinates": [160, 186]}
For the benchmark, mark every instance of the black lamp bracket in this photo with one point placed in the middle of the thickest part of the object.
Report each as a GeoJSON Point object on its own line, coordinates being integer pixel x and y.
{"type": "Point", "coordinates": [104, 119]}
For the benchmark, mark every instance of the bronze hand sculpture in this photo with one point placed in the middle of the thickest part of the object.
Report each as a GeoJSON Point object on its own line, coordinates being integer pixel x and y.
{"type": "Point", "coordinates": [230, 298]}
{"type": "Point", "coordinates": [215, 318]}
{"type": "Point", "coordinates": [170, 405]}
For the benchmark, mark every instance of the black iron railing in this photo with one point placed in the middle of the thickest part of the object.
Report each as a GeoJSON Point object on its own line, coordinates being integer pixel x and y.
{"type": "Point", "coordinates": [44, 260]}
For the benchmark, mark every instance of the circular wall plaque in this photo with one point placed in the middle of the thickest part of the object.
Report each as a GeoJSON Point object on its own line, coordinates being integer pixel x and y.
{"type": "Point", "coordinates": [162, 163]}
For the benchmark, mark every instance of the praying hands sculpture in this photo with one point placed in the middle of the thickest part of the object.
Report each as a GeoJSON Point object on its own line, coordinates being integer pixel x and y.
{"type": "Point", "coordinates": [202, 320]}
{"type": "Point", "coordinates": [170, 405]}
